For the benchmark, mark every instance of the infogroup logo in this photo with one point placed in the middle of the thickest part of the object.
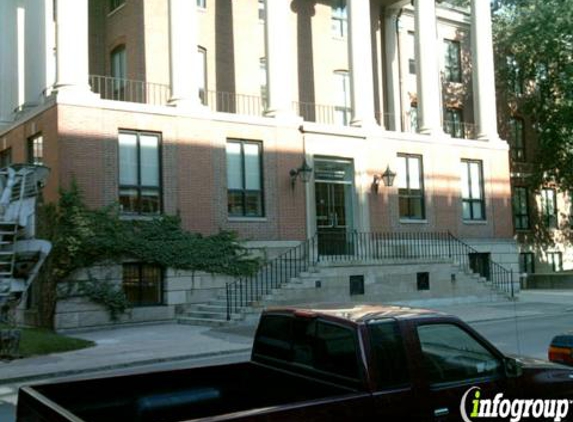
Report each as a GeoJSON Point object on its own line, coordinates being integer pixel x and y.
{"type": "Point", "coordinates": [513, 410]}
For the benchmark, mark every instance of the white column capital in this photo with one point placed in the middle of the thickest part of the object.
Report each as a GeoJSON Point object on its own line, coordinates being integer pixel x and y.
{"type": "Point", "coordinates": [360, 58]}
{"type": "Point", "coordinates": [483, 71]}
{"type": "Point", "coordinates": [427, 68]}
{"type": "Point", "coordinates": [183, 54]}
{"type": "Point", "coordinates": [72, 49]}
{"type": "Point", "coordinates": [278, 35]}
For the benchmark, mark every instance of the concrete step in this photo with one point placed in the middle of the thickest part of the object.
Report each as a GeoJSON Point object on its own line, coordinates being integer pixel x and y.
{"type": "Point", "coordinates": [207, 322]}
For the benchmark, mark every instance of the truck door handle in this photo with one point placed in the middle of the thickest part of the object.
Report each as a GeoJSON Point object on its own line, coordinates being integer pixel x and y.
{"type": "Point", "coordinates": [444, 411]}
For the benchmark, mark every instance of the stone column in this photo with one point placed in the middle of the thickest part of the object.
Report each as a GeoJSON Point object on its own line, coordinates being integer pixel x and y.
{"type": "Point", "coordinates": [278, 36]}
{"type": "Point", "coordinates": [72, 48]}
{"type": "Point", "coordinates": [183, 57]}
{"type": "Point", "coordinates": [391, 23]}
{"type": "Point", "coordinates": [483, 71]}
{"type": "Point", "coordinates": [8, 60]}
{"type": "Point", "coordinates": [427, 72]}
{"type": "Point", "coordinates": [360, 58]}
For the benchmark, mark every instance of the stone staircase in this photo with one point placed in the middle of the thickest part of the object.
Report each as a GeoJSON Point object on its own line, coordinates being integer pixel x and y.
{"type": "Point", "coordinates": [328, 282]}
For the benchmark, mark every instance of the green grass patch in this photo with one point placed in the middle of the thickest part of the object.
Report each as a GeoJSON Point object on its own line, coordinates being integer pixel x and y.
{"type": "Point", "coordinates": [36, 341]}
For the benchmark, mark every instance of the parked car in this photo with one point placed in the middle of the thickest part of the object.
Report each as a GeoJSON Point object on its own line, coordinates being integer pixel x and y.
{"type": "Point", "coordinates": [561, 349]}
{"type": "Point", "coordinates": [343, 363]}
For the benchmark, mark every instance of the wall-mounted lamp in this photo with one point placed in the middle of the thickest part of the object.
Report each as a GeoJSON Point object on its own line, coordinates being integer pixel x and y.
{"type": "Point", "coordinates": [304, 171]}
{"type": "Point", "coordinates": [387, 177]}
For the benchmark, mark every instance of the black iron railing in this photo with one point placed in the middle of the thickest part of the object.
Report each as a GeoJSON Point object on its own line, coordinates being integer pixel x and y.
{"type": "Point", "coordinates": [128, 90]}
{"type": "Point", "coordinates": [364, 247]}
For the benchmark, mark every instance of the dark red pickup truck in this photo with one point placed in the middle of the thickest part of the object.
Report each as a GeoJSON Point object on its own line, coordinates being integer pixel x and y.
{"type": "Point", "coordinates": [355, 363]}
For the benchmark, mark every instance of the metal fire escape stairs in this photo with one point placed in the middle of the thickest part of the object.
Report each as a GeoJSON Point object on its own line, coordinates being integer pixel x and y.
{"type": "Point", "coordinates": [21, 254]}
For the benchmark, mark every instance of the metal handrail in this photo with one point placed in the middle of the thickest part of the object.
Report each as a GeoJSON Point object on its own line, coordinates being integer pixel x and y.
{"type": "Point", "coordinates": [366, 246]}
{"type": "Point", "coordinates": [129, 90]}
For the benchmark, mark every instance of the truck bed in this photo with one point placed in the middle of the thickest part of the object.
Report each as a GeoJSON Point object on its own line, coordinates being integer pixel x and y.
{"type": "Point", "coordinates": [171, 396]}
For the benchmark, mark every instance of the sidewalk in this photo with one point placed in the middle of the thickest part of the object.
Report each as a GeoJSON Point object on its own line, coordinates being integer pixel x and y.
{"type": "Point", "coordinates": [133, 346]}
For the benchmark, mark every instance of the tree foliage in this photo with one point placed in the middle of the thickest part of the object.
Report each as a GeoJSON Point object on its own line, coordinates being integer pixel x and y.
{"type": "Point", "coordinates": [82, 237]}
{"type": "Point", "coordinates": [533, 42]}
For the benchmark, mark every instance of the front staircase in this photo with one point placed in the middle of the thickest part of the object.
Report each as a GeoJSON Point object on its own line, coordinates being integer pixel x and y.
{"type": "Point", "coordinates": [296, 275]}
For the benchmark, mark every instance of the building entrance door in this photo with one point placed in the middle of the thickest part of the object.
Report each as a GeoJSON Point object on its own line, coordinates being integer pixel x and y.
{"type": "Point", "coordinates": [333, 195]}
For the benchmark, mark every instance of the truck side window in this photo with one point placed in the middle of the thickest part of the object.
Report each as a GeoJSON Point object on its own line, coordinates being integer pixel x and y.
{"type": "Point", "coordinates": [452, 355]}
{"type": "Point", "coordinates": [389, 354]}
{"type": "Point", "coordinates": [335, 350]}
{"type": "Point", "coordinates": [274, 337]}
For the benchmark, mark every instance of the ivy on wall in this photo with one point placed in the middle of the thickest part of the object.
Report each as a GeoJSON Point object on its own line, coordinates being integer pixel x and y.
{"type": "Point", "coordinates": [83, 237]}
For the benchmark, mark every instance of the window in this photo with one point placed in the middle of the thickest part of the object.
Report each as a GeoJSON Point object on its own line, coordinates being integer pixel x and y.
{"type": "Point", "coordinates": [473, 202]}
{"type": "Point", "coordinates": [412, 53]}
{"type": "Point", "coordinates": [143, 284]}
{"type": "Point", "coordinates": [262, 10]}
{"type": "Point", "coordinates": [202, 4]}
{"type": "Point", "coordinates": [5, 157]}
{"type": "Point", "coordinates": [389, 354]}
{"type": "Point", "coordinates": [263, 81]}
{"type": "Point", "coordinates": [452, 61]}
{"type": "Point", "coordinates": [114, 4]}
{"type": "Point", "coordinates": [555, 259]}
{"type": "Point", "coordinates": [36, 150]}
{"type": "Point", "coordinates": [520, 208]}
{"type": "Point", "coordinates": [516, 136]}
{"type": "Point", "coordinates": [410, 186]}
{"type": "Point", "coordinates": [342, 110]}
{"type": "Point", "coordinates": [454, 122]}
{"type": "Point", "coordinates": [527, 262]}
{"type": "Point", "coordinates": [118, 73]}
{"type": "Point", "coordinates": [549, 208]}
{"type": "Point", "coordinates": [139, 173]}
{"type": "Point", "coordinates": [202, 75]}
{"type": "Point", "coordinates": [414, 118]}
{"type": "Point", "coordinates": [244, 179]}
{"type": "Point", "coordinates": [339, 18]}
{"type": "Point", "coordinates": [450, 354]}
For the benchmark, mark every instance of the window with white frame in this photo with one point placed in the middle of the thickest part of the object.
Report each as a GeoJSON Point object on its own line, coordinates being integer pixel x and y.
{"type": "Point", "coordinates": [118, 72]}
{"type": "Point", "coordinates": [263, 81]}
{"type": "Point", "coordinates": [549, 207]}
{"type": "Point", "coordinates": [244, 178]}
{"type": "Point", "coordinates": [36, 149]}
{"type": "Point", "coordinates": [452, 61]}
{"type": "Point", "coordinates": [202, 75]}
{"type": "Point", "coordinates": [473, 201]}
{"type": "Point", "coordinates": [517, 139]}
{"type": "Point", "coordinates": [414, 118]}
{"type": "Point", "coordinates": [339, 18]}
{"type": "Point", "coordinates": [527, 262]}
{"type": "Point", "coordinates": [342, 109]}
{"type": "Point", "coordinates": [139, 173]}
{"type": "Point", "coordinates": [202, 4]}
{"type": "Point", "coordinates": [454, 122]}
{"type": "Point", "coordinates": [555, 259]}
{"type": "Point", "coordinates": [410, 182]}
{"type": "Point", "coordinates": [520, 208]}
{"type": "Point", "coordinates": [411, 53]}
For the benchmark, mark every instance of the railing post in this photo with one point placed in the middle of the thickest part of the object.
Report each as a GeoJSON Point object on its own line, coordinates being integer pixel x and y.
{"type": "Point", "coordinates": [227, 289]}
{"type": "Point", "coordinates": [449, 245]}
{"type": "Point", "coordinates": [511, 281]}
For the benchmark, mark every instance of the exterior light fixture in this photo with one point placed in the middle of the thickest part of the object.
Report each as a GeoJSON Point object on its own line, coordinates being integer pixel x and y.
{"type": "Point", "coordinates": [304, 171]}
{"type": "Point", "coordinates": [387, 177]}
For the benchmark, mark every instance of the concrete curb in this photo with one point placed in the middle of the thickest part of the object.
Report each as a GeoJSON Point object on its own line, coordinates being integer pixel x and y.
{"type": "Point", "coordinates": [144, 362]}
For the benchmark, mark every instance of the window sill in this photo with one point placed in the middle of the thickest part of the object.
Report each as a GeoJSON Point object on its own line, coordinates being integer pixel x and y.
{"type": "Point", "coordinates": [475, 222]}
{"type": "Point", "coordinates": [413, 221]}
{"type": "Point", "coordinates": [247, 219]}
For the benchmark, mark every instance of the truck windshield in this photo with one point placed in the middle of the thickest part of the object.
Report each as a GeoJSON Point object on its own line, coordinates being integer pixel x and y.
{"type": "Point", "coordinates": [314, 344]}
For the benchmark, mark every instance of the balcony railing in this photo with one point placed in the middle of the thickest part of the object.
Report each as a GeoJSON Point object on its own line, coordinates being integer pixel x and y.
{"type": "Point", "coordinates": [229, 102]}
{"type": "Point", "coordinates": [461, 130]}
{"type": "Point", "coordinates": [131, 91]}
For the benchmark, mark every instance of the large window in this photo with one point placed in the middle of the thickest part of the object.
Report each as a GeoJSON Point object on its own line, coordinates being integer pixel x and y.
{"type": "Point", "coordinates": [139, 173]}
{"type": "Point", "coordinates": [414, 118]}
{"type": "Point", "coordinates": [454, 122]}
{"type": "Point", "coordinates": [244, 179]}
{"type": "Point", "coordinates": [517, 139]}
{"type": "Point", "coordinates": [452, 61]}
{"type": "Point", "coordinates": [555, 259]}
{"type": "Point", "coordinates": [202, 75]}
{"type": "Point", "coordinates": [450, 354]}
{"type": "Point", "coordinates": [411, 53]}
{"type": "Point", "coordinates": [143, 284]}
{"type": "Point", "coordinates": [473, 202]}
{"type": "Point", "coordinates": [5, 157]}
{"type": "Point", "coordinates": [118, 72]}
{"type": "Point", "coordinates": [389, 354]}
{"type": "Point", "coordinates": [527, 262]}
{"type": "Point", "coordinates": [549, 208]}
{"type": "Point", "coordinates": [520, 208]}
{"type": "Point", "coordinates": [410, 186]}
{"type": "Point", "coordinates": [342, 107]}
{"type": "Point", "coordinates": [36, 150]}
{"type": "Point", "coordinates": [202, 4]}
{"type": "Point", "coordinates": [339, 18]}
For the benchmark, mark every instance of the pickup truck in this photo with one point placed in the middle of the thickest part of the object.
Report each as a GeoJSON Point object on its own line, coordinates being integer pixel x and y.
{"type": "Point", "coordinates": [336, 363]}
